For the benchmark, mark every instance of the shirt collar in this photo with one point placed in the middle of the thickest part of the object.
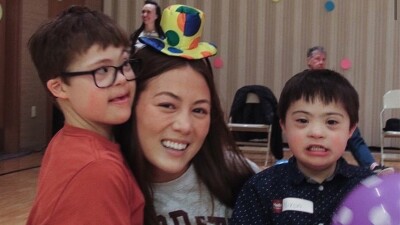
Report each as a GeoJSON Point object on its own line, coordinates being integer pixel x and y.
{"type": "Point", "coordinates": [341, 170]}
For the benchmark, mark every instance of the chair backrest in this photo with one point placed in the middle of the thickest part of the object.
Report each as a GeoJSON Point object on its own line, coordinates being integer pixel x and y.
{"type": "Point", "coordinates": [253, 104]}
{"type": "Point", "coordinates": [257, 104]}
{"type": "Point", "coordinates": [391, 99]}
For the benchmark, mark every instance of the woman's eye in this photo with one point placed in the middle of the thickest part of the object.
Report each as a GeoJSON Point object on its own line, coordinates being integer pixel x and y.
{"type": "Point", "coordinates": [200, 110]}
{"type": "Point", "coordinates": [166, 105]}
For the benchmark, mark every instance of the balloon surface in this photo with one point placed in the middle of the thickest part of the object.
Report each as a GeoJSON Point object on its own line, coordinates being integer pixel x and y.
{"type": "Point", "coordinates": [376, 201]}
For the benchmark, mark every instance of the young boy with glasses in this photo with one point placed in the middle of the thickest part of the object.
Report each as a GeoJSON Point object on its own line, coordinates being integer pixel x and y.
{"type": "Point", "coordinates": [82, 58]}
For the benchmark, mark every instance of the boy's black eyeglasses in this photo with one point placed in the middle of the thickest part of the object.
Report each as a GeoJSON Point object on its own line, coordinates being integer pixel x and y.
{"type": "Point", "coordinates": [105, 76]}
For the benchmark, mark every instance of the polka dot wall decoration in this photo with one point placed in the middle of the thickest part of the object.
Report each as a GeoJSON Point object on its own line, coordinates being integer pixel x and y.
{"type": "Point", "coordinates": [345, 64]}
{"type": "Point", "coordinates": [329, 6]}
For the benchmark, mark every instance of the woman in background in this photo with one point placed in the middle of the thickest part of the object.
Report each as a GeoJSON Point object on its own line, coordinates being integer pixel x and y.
{"type": "Point", "coordinates": [151, 17]}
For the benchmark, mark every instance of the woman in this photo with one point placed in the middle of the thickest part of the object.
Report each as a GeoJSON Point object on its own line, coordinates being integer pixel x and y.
{"type": "Point", "coordinates": [151, 16]}
{"type": "Point", "coordinates": [187, 162]}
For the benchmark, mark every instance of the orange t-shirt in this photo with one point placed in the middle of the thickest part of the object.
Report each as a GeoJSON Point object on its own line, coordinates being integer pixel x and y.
{"type": "Point", "coordinates": [84, 180]}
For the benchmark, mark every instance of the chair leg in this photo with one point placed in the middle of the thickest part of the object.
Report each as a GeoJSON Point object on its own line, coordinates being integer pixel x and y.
{"type": "Point", "coordinates": [382, 153]}
{"type": "Point", "coordinates": [267, 157]}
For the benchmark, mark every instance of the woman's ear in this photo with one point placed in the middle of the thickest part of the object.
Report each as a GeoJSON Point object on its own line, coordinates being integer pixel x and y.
{"type": "Point", "coordinates": [55, 86]}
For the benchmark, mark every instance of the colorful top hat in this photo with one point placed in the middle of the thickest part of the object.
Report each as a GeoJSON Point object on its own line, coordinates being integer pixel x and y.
{"type": "Point", "coordinates": [183, 27]}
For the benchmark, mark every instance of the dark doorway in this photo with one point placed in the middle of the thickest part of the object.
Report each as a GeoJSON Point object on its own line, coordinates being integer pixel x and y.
{"type": "Point", "coordinates": [2, 70]}
{"type": "Point", "coordinates": [9, 81]}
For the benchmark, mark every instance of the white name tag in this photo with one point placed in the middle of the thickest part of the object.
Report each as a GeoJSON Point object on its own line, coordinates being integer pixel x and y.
{"type": "Point", "coordinates": [297, 204]}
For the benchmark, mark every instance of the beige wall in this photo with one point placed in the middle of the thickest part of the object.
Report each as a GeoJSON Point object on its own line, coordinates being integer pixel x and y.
{"type": "Point", "coordinates": [260, 42]}
{"type": "Point", "coordinates": [263, 42]}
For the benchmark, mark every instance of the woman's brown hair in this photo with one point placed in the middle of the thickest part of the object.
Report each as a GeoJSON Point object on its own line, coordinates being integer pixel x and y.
{"type": "Point", "coordinates": [219, 164]}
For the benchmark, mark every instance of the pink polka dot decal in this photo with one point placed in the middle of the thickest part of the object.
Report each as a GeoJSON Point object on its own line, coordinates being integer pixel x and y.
{"type": "Point", "coordinates": [218, 63]}
{"type": "Point", "coordinates": [345, 64]}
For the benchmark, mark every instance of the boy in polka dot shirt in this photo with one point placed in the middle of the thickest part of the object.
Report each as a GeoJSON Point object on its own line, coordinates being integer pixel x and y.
{"type": "Point", "coordinates": [319, 112]}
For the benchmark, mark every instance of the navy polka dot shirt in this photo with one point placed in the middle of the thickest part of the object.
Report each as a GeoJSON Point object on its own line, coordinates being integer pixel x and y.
{"type": "Point", "coordinates": [282, 195]}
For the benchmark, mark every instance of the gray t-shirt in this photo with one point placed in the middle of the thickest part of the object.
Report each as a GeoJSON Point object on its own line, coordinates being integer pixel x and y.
{"type": "Point", "coordinates": [186, 200]}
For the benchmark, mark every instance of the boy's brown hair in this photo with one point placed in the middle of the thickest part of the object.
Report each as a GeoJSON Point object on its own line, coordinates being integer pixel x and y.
{"type": "Point", "coordinates": [327, 85]}
{"type": "Point", "coordinates": [57, 42]}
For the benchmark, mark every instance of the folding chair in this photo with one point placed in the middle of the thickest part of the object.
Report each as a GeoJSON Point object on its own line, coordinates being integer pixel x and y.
{"type": "Point", "coordinates": [391, 100]}
{"type": "Point", "coordinates": [254, 145]}
{"type": "Point", "coordinates": [253, 121]}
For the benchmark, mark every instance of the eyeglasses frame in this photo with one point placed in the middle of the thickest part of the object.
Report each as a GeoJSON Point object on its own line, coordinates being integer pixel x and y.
{"type": "Point", "coordinates": [131, 62]}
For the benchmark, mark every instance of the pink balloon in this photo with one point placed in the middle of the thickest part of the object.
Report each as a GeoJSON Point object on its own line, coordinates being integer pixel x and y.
{"type": "Point", "coordinates": [218, 63]}
{"type": "Point", "coordinates": [345, 64]}
{"type": "Point", "coordinates": [375, 202]}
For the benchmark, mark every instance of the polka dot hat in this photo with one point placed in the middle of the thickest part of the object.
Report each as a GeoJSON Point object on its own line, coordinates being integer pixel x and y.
{"type": "Point", "coordinates": [183, 27]}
